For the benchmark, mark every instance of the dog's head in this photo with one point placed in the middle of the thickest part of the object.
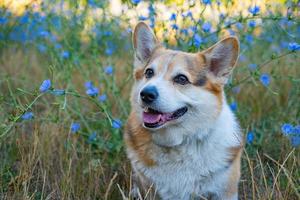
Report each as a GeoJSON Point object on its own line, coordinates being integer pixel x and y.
{"type": "Point", "coordinates": [178, 89]}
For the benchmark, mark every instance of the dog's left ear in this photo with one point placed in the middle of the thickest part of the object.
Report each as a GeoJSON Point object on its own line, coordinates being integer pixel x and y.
{"type": "Point", "coordinates": [144, 42]}
{"type": "Point", "coordinates": [221, 58]}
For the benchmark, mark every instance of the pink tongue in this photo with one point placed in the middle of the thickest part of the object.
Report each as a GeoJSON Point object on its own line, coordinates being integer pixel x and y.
{"type": "Point", "coordinates": [152, 118]}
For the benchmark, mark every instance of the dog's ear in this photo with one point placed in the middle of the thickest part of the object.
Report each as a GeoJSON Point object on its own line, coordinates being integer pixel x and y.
{"type": "Point", "coordinates": [144, 42]}
{"type": "Point", "coordinates": [221, 58]}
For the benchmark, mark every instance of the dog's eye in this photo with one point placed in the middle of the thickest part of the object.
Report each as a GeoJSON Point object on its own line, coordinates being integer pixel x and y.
{"type": "Point", "coordinates": [149, 73]}
{"type": "Point", "coordinates": [181, 79]}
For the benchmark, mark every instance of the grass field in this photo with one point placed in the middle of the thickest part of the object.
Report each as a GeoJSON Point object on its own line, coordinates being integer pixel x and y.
{"type": "Point", "coordinates": [64, 140]}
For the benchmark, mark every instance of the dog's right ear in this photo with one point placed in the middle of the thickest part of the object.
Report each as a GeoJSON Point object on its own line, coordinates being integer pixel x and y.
{"type": "Point", "coordinates": [144, 42]}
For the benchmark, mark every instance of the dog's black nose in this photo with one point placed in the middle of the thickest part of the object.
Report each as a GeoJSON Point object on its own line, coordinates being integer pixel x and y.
{"type": "Point", "coordinates": [149, 94]}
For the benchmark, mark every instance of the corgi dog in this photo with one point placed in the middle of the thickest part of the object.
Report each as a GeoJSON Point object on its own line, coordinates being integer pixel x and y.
{"type": "Point", "coordinates": [181, 137]}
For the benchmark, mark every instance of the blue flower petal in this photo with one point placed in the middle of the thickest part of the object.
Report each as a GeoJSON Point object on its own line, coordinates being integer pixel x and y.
{"type": "Point", "coordinates": [45, 86]}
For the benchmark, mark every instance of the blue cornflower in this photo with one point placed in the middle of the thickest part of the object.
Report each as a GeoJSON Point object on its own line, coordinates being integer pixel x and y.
{"type": "Point", "coordinates": [109, 70]}
{"type": "Point", "coordinates": [45, 86]}
{"type": "Point", "coordinates": [252, 66]}
{"type": "Point", "coordinates": [175, 26]}
{"type": "Point", "coordinates": [92, 91]}
{"type": "Point", "coordinates": [254, 10]}
{"type": "Point", "coordinates": [231, 32]}
{"type": "Point", "coordinates": [135, 1]}
{"type": "Point", "coordinates": [3, 20]}
{"type": "Point", "coordinates": [116, 123]}
{"type": "Point", "coordinates": [250, 137]}
{"type": "Point", "coordinates": [88, 84]}
{"type": "Point", "coordinates": [239, 25]}
{"type": "Point", "coordinates": [25, 18]}
{"type": "Point", "coordinates": [206, 27]}
{"type": "Point", "coordinates": [58, 92]}
{"type": "Point", "coordinates": [187, 14]}
{"type": "Point", "coordinates": [75, 126]}
{"type": "Point", "coordinates": [297, 130]}
{"type": "Point", "coordinates": [265, 79]}
{"type": "Point", "coordinates": [252, 24]}
{"type": "Point", "coordinates": [27, 116]}
{"type": "Point", "coordinates": [294, 46]}
{"type": "Point", "coordinates": [65, 54]}
{"type": "Point", "coordinates": [102, 97]}
{"type": "Point", "coordinates": [142, 18]}
{"type": "Point", "coordinates": [197, 40]}
{"type": "Point", "coordinates": [42, 48]}
{"type": "Point", "coordinates": [184, 31]}
{"type": "Point", "coordinates": [233, 106]}
{"type": "Point", "coordinates": [287, 129]}
{"type": "Point", "coordinates": [295, 140]}
{"type": "Point", "coordinates": [249, 38]}
{"type": "Point", "coordinates": [57, 46]}
{"type": "Point", "coordinates": [44, 34]}
{"type": "Point", "coordinates": [173, 16]}
{"type": "Point", "coordinates": [109, 51]}
{"type": "Point", "coordinates": [206, 2]}
{"type": "Point", "coordinates": [92, 137]}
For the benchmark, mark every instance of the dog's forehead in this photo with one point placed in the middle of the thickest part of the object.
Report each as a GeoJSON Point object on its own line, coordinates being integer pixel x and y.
{"type": "Point", "coordinates": [170, 62]}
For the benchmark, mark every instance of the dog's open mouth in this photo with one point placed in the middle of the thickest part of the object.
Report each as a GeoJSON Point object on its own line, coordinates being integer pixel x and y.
{"type": "Point", "coordinates": [153, 118]}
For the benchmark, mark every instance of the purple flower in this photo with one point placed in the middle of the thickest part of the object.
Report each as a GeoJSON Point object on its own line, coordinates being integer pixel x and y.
{"type": "Point", "coordinates": [75, 127]}
{"type": "Point", "coordinates": [206, 27]}
{"type": "Point", "coordinates": [116, 123]}
{"type": "Point", "coordinates": [27, 116]}
{"type": "Point", "coordinates": [45, 86]}
{"type": "Point", "coordinates": [287, 129]}
{"type": "Point", "coordinates": [254, 10]}
{"type": "Point", "coordinates": [294, 46]}
{"type": "Point", "coordinates": [250, 137]}
{"type": "Point", "coordinates": [265, 79]}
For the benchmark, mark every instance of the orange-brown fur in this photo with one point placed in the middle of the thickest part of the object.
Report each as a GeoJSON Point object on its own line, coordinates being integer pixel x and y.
{"type": "Point", "coordinates": [139, 139]}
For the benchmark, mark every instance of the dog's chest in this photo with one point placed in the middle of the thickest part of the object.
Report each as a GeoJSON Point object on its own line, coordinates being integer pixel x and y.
{"type": "Point", "coordinates": [188, 171]}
